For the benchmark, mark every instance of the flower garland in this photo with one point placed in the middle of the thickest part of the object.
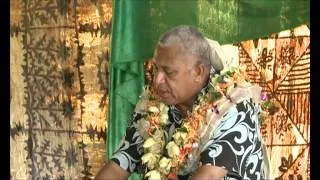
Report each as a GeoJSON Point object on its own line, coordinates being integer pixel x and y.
{"type": "Point", "coordinates": [224, 90]}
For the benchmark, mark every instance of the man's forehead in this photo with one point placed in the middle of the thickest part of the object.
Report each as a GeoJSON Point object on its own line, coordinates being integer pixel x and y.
{"type": "Point", "coordinates": [163, 64]}
{"type": "Point", "coordinates": [168, 52]}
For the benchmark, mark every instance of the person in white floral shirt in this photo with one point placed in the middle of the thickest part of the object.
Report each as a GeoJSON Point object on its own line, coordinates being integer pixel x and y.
{"type": "Point", "coordinates": [198, 120]}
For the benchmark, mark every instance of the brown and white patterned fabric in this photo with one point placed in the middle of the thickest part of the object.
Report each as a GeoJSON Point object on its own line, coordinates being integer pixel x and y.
{"type": "Point", "coordinates": [58, 86]}
{"type": "Point", "coordinates": [280, 64]}
{"type": "Point", "coordinates": [59, 100]}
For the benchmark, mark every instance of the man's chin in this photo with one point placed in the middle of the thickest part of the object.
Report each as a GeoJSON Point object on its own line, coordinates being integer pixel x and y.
{"type": "Point", "coordinates": [167, 101]}
{"type": "Point", "coordinates": [166, 98]}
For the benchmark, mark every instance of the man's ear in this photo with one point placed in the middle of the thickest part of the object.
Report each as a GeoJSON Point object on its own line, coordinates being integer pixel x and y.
{"type": "Point", "coordinates": [199, 72]}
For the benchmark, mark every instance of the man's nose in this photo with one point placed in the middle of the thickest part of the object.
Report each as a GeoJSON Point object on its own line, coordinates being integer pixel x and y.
{"type": "Point", "coordinates": [159, 78]}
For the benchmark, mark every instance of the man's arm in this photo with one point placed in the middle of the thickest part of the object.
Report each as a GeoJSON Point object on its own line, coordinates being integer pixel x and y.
{"type": "Point", "coordinates": [112, 171]}
{"type": "Point", "coordinates": [127, 153]}
{"type": "Point", "coordinates": [224, 148]}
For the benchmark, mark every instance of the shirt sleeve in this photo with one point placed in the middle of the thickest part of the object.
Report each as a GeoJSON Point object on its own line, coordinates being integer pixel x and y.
{"type": "Point", "coordinates": [128, 155]}
{"type": "Point", "coordinates": [235, 144]}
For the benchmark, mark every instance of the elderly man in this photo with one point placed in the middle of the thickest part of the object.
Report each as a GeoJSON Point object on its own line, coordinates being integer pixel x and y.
{"type": "Point", "coordinates": [197, 121]}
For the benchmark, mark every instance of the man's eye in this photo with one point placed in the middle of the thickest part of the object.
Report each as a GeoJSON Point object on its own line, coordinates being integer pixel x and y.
{"type": "Point", "coordinates": [170, 73]}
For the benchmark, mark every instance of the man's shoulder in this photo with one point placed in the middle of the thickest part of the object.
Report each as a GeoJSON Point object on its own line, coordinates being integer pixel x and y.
{"type": "Point", "coordinates": [246, 108]}
{"type": "Point", "coordinates": [246, 105]}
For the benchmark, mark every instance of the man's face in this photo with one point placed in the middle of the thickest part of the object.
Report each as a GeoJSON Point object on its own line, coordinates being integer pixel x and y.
{"type": "Point", "coordinates": [174, 75]}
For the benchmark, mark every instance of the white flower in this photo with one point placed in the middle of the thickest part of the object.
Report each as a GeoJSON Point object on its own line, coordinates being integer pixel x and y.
{"type": "Point", "coordinates": [164, 108]}
{"type": "Point", "coordinates": [157, 145]}
{"type": "Point", "coordinates": [173, 149]}
{"type": "Point", "coordinates": [165, 164]}
{"type": "Point", "coordinates": [150, 160]}
{"type": "Point", "coordinates": [148, 143]}
{"type": "Point", "coordinates": [141, 105]}
{"type": "Point", "coordinates": [153, 109]}
{"type": "Point", "coordinates": [158, 135]}
{"type": "Point", "coordinates": [186, 125]}
{"type": "Point", "coordinates": [153, 175]}
{"type": "Point", "coordinates": [228, 79]}
{"type": "Point", "coordinates": [164, 119]}
{"type": "Point", "coordinates": [142, 126]}
{"type": "Point", "coordinates": [227, 70]}
{"type": "Point", "coordinates": [180, 137]}
{"type": "Point", "coordinates": [198, 106]}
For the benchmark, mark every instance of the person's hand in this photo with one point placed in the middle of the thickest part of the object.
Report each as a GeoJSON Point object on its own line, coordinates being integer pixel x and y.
{"type": "Point", "coordinates": [209, 172]}
{"type": "Point", "coordinates": [112, 171]}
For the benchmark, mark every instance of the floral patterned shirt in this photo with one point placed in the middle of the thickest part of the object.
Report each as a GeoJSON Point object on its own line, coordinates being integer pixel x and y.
{"type": "Point", "coordinates": [236, 143]}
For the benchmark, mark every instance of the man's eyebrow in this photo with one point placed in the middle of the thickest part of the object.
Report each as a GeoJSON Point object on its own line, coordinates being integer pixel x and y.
{"type": "Point", "coordinates": [167, 68]}
{"type": "Point", "coordinates": [163, 66]}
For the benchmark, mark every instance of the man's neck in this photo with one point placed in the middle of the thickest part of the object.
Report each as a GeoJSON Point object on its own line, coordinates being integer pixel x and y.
{"type": "Point", "coordinates": [186, 108]}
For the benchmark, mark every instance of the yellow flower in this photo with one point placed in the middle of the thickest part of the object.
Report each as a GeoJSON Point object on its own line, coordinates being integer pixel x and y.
{"type": "Point", "coordinates": [150, 159]}
{"type": "Point", "coordinates": [163, 114]}
{"type": "Point", "coordinates": [148, 143]}
{"type": "Point", "coordinates": [173, 149]}
{"type": "Point", "coordinates": [164, 108]}
{"type": "Point", "coordinates": [157, 145]}
{"type": "Point", "coordinates": [186, 125]}
{"type": "Point", "coordinates": [180, 137]}
{"type": "Point", "coordinates": [157, 148]}
{"type": "Point", "coordinates": [141, 126]}
{"type": "Point", "coordinates": [153, 109]}
{"type": "Point", "coordinates": [158, 135]}
{"type": "Point", "coordinates": [153, 175]}
{"type": "Point", "coordinates": [197, 107]}
{"type": "Point", "coordinates": [164, 119]}
{"type": "Point", "coordinates": [165, 164]}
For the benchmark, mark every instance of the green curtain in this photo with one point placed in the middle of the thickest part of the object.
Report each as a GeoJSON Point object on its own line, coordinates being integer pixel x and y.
{"type": "Point", "coordinates": [137, 25]}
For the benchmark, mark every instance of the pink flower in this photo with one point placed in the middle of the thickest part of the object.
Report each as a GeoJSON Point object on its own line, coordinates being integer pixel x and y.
{"type": "Point", "coordinates": [264, 96]}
